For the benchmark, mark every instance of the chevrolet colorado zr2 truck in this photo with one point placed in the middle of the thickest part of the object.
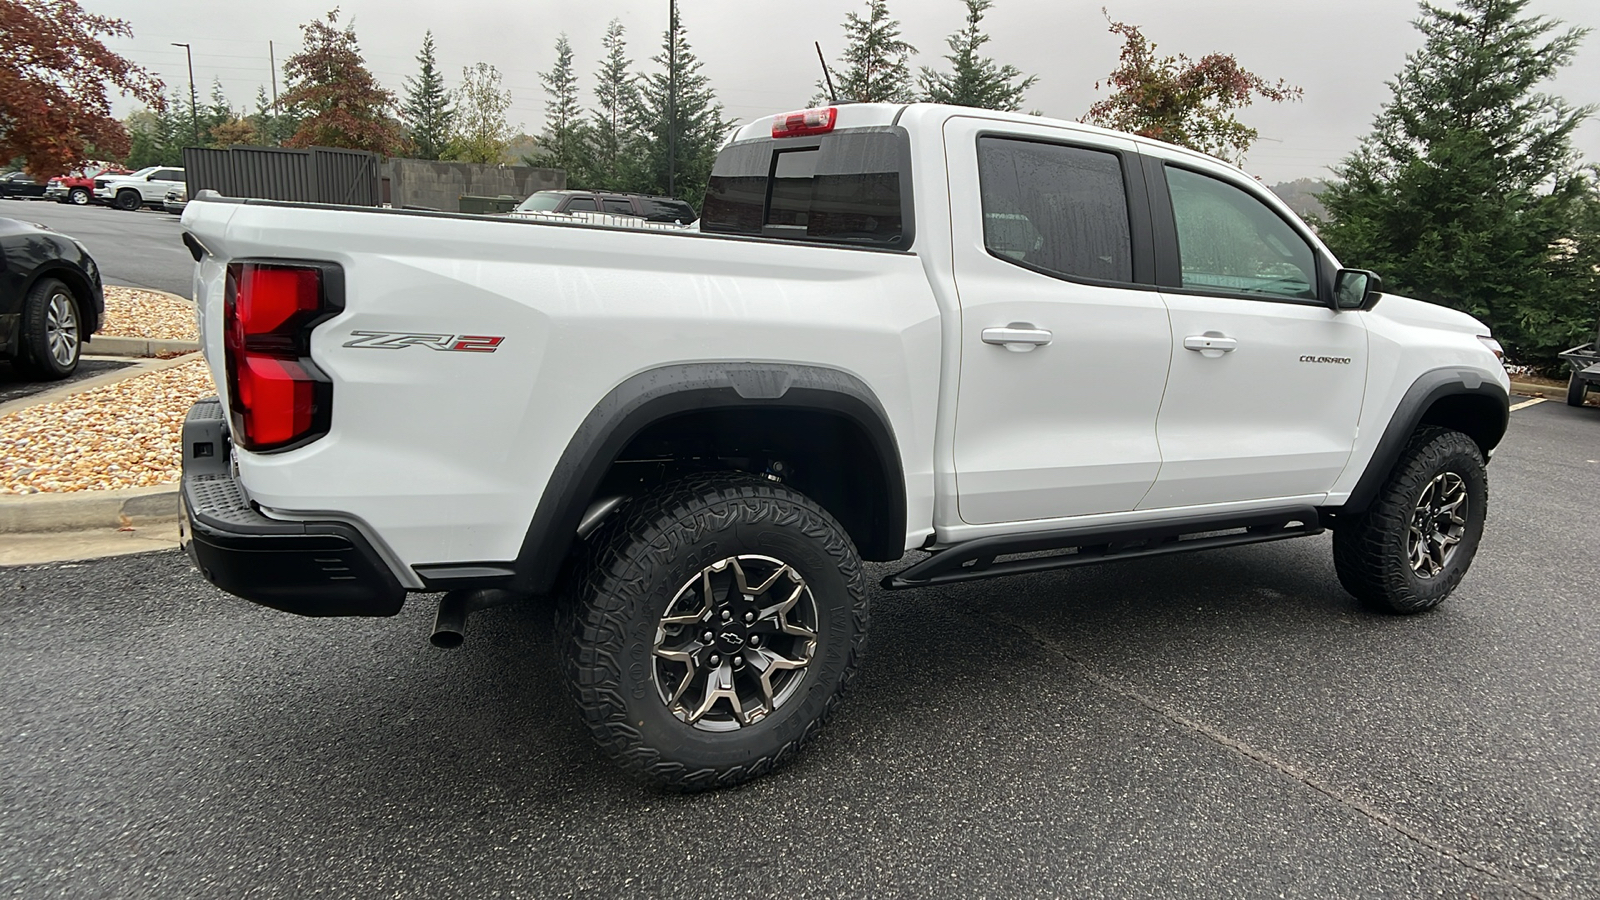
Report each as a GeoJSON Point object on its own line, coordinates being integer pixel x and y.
{"type": "Point", "coordinates": [1007, 343]}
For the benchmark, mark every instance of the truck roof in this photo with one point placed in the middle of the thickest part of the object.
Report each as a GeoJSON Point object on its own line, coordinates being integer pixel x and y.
{"type": "Point", "coordinates": [868, 115]}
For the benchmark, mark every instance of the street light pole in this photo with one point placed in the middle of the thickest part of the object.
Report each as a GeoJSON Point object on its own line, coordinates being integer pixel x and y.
{"type": "Point", "coordinates": [194, 105]}
{"type": "Point", "coordinates": [672, 98]}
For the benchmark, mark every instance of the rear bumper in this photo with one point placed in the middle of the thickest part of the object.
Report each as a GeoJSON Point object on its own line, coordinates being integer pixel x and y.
{"type": "Point", "coordinates": [308, 568]}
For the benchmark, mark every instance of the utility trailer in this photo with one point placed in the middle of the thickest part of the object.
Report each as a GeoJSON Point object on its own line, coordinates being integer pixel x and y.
{"type": "Point", "coordinates": [1585, 362]}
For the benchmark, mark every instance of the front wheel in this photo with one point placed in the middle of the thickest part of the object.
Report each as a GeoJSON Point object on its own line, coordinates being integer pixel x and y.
{"type": "Point", "coordinates": [78, 196]}
{"type": "Point", "coordinates": [718, 626]}
{"type": "Point", "coordinates": [51, 330]}
{"type": "Point", "coordinates": [1410, 549]}
{"type": "Point", "coordinates": [128, 200]}
{"type": "Point", "coordinates": [1576, 389]}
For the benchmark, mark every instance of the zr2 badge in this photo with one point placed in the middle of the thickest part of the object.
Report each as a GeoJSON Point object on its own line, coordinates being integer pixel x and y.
{"type": "Point", "coordinates": [399, 340]}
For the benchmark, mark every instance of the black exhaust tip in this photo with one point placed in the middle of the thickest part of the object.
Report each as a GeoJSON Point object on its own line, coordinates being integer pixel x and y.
{"type": "Point", "coordinates": [450, 625]}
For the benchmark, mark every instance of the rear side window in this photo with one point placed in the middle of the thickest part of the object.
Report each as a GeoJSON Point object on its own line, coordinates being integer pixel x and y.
{"type": "Point", "coordinates": [582, 204]}
{"type": "Point", "coordinates": [847, 187]}
{"type": "Point", "coordinates": [1061, 210]}
{"type": "Point", "coordinates": [619, 207]}
{"type": "Point", "coordinates": [668, 211]}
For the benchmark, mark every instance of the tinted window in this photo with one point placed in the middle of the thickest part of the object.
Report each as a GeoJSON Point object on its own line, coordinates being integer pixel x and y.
{"type": "Point", "coordinates": [619, 207]}
{"type": "Point", "coordinates": [668, 211]}
{"type": "Point", "coordinates": [543, 201]}
{"type": "Point", "coordinates": [582, 204]}
{"type": "Point", "coordinates": [1060, 209]}
{"type": "Point", "coordinates": [845, 187]}
{"type": "Point", "coordinates": [1231, 242]}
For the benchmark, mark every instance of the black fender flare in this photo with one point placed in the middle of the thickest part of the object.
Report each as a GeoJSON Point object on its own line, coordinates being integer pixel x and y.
{"type": "Point", "coordinates": [1424, 393]}
{"type": "Point", "coordinates": [657, 394]}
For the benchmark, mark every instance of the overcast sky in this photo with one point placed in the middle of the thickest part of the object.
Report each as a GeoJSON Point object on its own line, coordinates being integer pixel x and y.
{"type": "Point", "coordinates": [759, 54]}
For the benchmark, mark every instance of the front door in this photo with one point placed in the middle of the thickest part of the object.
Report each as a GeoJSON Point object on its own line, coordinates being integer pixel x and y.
{"type": "Point", "coordinates": [1064, 342]}
{"type": "Point", "coordinates": [1267, 381]}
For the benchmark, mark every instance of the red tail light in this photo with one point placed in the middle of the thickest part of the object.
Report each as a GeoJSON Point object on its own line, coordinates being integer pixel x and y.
{"type": "Point", "coordinates": [277, 397]}
{"type": "Point", "coordinates": [805, 122]}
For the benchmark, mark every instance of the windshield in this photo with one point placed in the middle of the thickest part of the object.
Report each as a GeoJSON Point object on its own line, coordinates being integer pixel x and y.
{"type": "Point", "coordinates": [544, 201]}
{"type": "Point", "coordinates": [144, 171]}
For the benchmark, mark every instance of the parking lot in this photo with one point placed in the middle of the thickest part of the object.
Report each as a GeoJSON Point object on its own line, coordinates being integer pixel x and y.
{"type": "Point", "coordinates": [138, 249]}
{"type": "Point", "coordinates": [1221, 724]}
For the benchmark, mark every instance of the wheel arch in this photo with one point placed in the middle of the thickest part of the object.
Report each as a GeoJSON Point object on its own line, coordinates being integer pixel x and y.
{"type": "Point", "coordinates": [658, 396]}
{"type": "Point", "coordinates": [82, 290]}
{"type": "Point", "coordinates": [1459, 399]}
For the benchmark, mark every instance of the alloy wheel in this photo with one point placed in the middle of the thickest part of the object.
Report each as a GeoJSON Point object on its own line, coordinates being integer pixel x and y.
{"type": "Point", "coordinates": [1437, 524]}
{"type": "Point", "coordinates": [735, 643]}
{"type": "Point", "coordinates": [61, 329]}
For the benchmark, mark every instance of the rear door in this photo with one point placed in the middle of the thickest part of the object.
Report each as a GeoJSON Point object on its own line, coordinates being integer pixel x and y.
{"type": "Point", "coordinates": [1064, 338]}
{"type": "Point", "coordinates": [1267, 380]}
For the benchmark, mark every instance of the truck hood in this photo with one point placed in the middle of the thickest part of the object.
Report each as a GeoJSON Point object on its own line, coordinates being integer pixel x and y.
{"type": "Point", "coordinates": [1421, 314]}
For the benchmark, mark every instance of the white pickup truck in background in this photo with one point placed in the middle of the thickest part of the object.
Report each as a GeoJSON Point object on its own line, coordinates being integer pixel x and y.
{"type": "Point", "coordinates": [1011, 342]}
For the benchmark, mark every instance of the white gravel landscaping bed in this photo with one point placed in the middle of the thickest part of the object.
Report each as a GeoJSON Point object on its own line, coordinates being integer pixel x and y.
{"type": "Point", "coordinates": [135, 313]}
{"type": "Point", "coordinates": [123, 435]}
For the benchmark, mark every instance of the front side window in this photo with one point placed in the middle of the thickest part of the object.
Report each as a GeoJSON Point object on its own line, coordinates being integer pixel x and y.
{"type": "Point", "coordinates": [1062, 210]}
{"type": "Point", "coordinates": [1230, 242]}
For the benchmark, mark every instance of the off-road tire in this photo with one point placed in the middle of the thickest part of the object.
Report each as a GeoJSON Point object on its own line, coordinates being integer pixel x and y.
{"type": "Point", "coordinates": [1370, 550]}
{"type": "Point", "coordinates": [128, 200]}
{"type": "Point", "coordinates": [38, 357]}
{"type": "Point", "coordinates": [1576, 389]}
{"type": "Point", "coordinates": [629, 573]}
{"type": "Point", "coordinates": [78, 197]}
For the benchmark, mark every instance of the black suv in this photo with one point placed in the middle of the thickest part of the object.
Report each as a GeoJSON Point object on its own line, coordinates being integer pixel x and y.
{"type": "Point", "coordinates": [651, 209]}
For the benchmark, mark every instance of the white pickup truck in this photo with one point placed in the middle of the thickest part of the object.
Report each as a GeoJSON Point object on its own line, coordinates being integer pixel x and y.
{"type": "Point", "coordinates": [1006, 343]}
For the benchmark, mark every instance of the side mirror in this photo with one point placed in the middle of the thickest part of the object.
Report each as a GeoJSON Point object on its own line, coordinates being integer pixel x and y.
{"type": "Point", "coordinates": [1356, 289]}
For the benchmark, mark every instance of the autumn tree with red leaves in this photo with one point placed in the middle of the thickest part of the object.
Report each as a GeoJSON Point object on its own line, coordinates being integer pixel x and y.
{"type": "Point", "coordinates": [341, 103]}
{"type": "Point", "coordinates": [1177, 100]}
{"type": "Point", "coordinates": [54, 70]}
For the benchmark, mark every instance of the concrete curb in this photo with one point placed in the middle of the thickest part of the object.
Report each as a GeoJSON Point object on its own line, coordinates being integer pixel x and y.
{"type": "Point", "coordinates": [88, 384]}
{"type": "Point", "coordinates": [1527, 389]}
{"type": "Point", "coordinates": [80, 510]}
{"type": "Point", "coordinates": [104, 345]}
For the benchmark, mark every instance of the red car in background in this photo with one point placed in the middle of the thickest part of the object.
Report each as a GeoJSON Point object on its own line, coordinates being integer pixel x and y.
{"type": "Point", "coordinates": [78, 187]}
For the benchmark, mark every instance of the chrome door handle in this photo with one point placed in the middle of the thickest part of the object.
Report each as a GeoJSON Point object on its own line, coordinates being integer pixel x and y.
{"type": "Point", "coordinates": [1212, 341]}
{"type": "Point", "coordinates": [1019, 337]}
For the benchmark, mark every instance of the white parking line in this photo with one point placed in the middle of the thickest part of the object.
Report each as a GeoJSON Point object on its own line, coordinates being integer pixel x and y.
{"type": "Point", "coordinates": [1527, 403]}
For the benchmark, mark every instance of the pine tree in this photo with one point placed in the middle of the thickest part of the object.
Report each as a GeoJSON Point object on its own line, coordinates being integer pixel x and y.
{"type": "Point", "coordinates": [562, 142]}
{"type": "Point", "coordinates": [482, 132]}
{"type": "Point", "coordinates": [876, 62]}
{"type": "Point", "coordinates": [690, 123]}
{"type": "Point", "coordinates": [975, 80]}
{"type": "Point", "coordinates": [427, 112]}
{"type": "Point", "coordinates": [1467, 192]}
{"type": "Point", "coordinates": [614, 149]}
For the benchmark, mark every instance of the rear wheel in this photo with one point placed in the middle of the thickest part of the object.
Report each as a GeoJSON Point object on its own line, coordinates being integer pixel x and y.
{"type": "Point", "coordinates": [1410, 549]}
{"type": "Point", "coordinates": [1577, 388]}
{"type": "Point", "coordinates": [719, 624]}
{"type": "Point", "coordinates": [78, 196]}
{"type": "Point", "coordinates": [129, 200]}
{"type": "Point", "coordinates": [51, 330]}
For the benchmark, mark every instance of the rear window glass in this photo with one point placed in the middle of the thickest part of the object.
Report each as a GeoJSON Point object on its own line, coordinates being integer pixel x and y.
{"type": "Point", "coordinates": [846, 187]}
{"type": "Point", "coordinates": [668, 211]}
{"type": "Point", "coordinates": [1063, 210]}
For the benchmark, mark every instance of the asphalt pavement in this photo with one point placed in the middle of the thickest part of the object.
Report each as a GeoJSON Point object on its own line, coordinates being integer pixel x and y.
{"type": "Point", "coordinates": [1223, 724]}
{"type": "Point", "coordinates": [135, 249]}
